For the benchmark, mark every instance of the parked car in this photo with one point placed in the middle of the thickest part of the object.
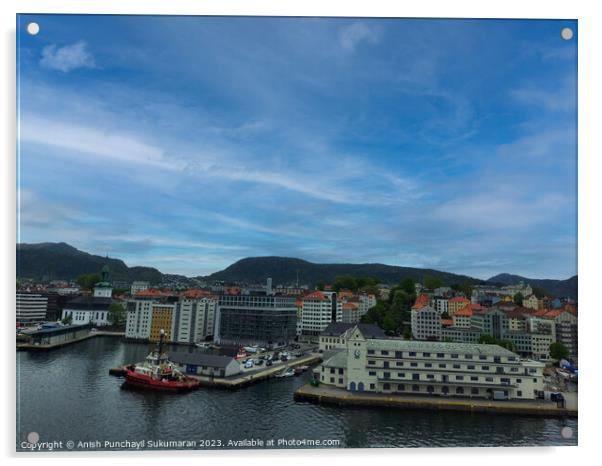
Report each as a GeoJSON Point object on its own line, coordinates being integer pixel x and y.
{"type": "Point", "coordinates": [248, 364]}
{"type": "Point", "coordinates": [268, 363]}
{"type": "Point", "coordinates": [283, 358]}
{"type": "Point", "coordinates": [259, 362]}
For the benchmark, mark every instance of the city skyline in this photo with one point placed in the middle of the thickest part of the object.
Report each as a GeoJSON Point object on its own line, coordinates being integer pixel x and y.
{"type": "Point", "coordinates": [187, 143]}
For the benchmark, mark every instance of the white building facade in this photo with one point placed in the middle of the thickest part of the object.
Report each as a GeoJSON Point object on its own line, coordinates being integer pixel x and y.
{"type": "Point", "coordinates": [431, 368]}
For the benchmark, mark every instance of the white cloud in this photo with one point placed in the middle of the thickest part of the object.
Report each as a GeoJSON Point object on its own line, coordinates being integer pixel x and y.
{"type": "Point", "coordinates": [93, 141]}
{"type": "Point", "coordinates": [67, 58]}
{"type": "Point", "coordinates": [350, 36]}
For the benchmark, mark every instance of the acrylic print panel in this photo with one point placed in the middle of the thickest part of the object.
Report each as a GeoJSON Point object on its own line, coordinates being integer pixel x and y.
{"type": "Point", "coordinates": [247, 232]}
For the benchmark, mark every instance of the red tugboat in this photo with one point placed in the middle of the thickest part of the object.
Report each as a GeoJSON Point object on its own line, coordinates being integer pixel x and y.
{"type": "Point", "coordinates": [157, 372]}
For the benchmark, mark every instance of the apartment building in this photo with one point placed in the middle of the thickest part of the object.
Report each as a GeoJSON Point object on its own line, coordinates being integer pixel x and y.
{"type": "Point", "coordinates": [431, 368]}
{"type": "Point", "coordinates": [319, 309]}
{"type": "Point", "coordinates": [426, 323]}
{"type": "Point", "coordinates": [31, 308]}
{"type": "Point", "coordinates": [194, 319]}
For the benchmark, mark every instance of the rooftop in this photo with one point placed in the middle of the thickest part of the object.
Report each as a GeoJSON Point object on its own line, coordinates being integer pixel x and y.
{"type": "Point", "coordinates": [438, 346]}
{"type": "Point", "coordinates": [336, 329]}
{"type": "Point", "coordinates": [200, 359]}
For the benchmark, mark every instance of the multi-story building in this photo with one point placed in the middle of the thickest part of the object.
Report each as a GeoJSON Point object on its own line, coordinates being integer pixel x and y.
{"type": "Point", "coordinates": [456, 303]}
{"type": "Point", "coordinates": [31, 308]}
{"type": "Point", "coordinates": [139, 317]}
{"type": "Point", "coordinates": [351, 312]}
{"type": "Point", "coordinates": [440, 304]}
{"type": "Point", "coordinates": [531, 302]}
{"type": "Point", "coordinates": [431, 368]}
{"type": "Point", "coordinates": [194, 319]}
{"type": "Point", "coordinates": [138, 286]}
{"type": "Point", "coordinates": [320, 308]}
{"type": "Point", "coordinates": [162, 319]}
{"type": "Point", "coordinates": [426, 323]}
{"type": "Point", "coordinates": [366, 301]}
{"type": "Point", "coordinates": [255, 319]}
{"type": "Point", "coordinates": [567, 331]}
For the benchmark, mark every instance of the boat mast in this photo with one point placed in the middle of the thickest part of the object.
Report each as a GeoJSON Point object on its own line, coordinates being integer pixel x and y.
{"type": "Point", "coordinates": [161, 334]}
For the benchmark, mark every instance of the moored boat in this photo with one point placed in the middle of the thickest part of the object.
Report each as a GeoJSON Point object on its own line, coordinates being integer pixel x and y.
{"type": "Point", "coordinates": [157, 372]}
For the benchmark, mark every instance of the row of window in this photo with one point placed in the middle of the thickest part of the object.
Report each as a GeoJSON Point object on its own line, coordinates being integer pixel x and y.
{"type": "Point", "coordinates": [399, 355]}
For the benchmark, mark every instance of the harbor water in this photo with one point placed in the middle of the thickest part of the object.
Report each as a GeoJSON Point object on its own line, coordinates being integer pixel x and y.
{"type": "Point", "coordinates": [66, 396]}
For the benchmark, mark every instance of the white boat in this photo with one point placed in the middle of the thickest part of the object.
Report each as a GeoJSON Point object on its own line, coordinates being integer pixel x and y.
{"type": "Point", "coordinates": [251, 349]}
{"type": "Point", "coordinates": [203, 345]}
{"type": "Point", "coordinates": [288, 372]}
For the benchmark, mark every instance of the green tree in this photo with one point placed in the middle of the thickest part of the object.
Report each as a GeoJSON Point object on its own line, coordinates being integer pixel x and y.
{"type": "Point", "coordinates": [408, 285]}
{"type": "Point", "coordinates": [558, 351]}
{"type": "Point", "coordinates": [407, 333]}
{"type": "Point", "coordinates": [539, 292]}
{"type": "Point", "coordinates": [68, 320]}
{"type": "Point", "coordinates": [518, 299]}
{"type": "Point", "coordinates": [116, 315]}
{"type": "Point", "coordinates": [445, 315]}
{"type": "Point", "coordinates": [431, 282]}
{"type": "Point", "coordinates": [320, 286]}
{"type": "Point", "coordinates": [88, 280]}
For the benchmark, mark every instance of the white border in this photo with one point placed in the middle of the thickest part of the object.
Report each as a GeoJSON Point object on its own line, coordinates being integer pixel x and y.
{"type": "Point", "coordinates": [590, 194]}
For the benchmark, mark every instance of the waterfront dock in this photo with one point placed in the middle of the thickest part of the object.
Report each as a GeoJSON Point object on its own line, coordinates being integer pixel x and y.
{"type": "Point", "coordinates": [22, 346]}
{"type": "Point", "coordinates": [245, 378]}
{"type": "Point", "coordinates": [341, 397]}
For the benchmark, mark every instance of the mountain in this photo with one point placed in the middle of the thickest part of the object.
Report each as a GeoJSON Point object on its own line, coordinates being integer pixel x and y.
{"type": "Point", "coordinates": [60, 261]}
{"type": "Point", "coordinates": [557, 288]}
{"type": "Point", "coordinates": [284, 270]}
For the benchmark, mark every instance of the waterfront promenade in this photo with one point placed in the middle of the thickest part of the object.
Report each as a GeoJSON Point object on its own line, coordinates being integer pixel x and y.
{"type": "Point", "coordinates": [21, 346]}
{"type": "Point", "coordinates": [339, 396]}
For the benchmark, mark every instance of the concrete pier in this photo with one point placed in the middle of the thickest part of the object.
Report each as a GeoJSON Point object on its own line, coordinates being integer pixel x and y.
{"type": "Point", "coordinates": [244, 379]}
{"type": "Point", "coordinates": [341, 397]}
{"type": "Point", "coordinates": [31, 347]}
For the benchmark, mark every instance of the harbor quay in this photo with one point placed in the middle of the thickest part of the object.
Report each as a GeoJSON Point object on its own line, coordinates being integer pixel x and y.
{"type": "Point", "coordinates": [52, 338]}
{"type": "Point", "coordinates": [323, 394]}
{"type": "Point", "coordinates": [244, 379]}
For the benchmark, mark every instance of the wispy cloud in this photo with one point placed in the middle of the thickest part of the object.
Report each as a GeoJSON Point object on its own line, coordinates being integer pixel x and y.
{"type": "Point", "coordinates": [67, 58]}
{"type": "Point", "coordinates": [356, 33]}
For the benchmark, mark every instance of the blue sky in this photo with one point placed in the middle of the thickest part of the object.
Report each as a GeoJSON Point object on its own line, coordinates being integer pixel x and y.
{"type": "Point", "coordinates": [187, 143]}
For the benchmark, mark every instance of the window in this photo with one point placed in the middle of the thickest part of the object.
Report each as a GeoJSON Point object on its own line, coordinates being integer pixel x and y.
{"type": "Point", "coordinates": [440, 355]}
{"type": "Point", "coordinates": [372, 386]}
{"type": "Point", "coordinates": [399, 363]}
{"type": "Point", "coordinates": [426, 355]}
{"type": "Point", "coordinates": [482, 357]}
{"type": "Point", "coordinates": [401, 387]}
{"type": "Point", "coordinates": [412, 353]}
{"type": "Point", "coordinates": [387, 375]}
{"type": "Point", "coordinates": [485, 368]}
{"type": "Point", "coordinates": [459, 377]}
{"type": "Point", "coordinates": [470, 367]}
{"type": "Point", "coordinates": [415, 376]}
{"type": "Point", "coordinates": [442, 366]}
{"type": "Point", "coordinates": [519, 393]}
{"type": "Point", "coordinates": [454, 356]}
{"type": "Point", "coordinates": [370, 351]}
{"type": "Point", "coordinates": [332, 380]}
{"type": "Point", "coordinates": [428, 364]}
{"type": "Point", "coordinates": [459, 390]}
{"type": "Point", "coordinates": [372, 373]}
{"type": "Point", "coordinates": [474, 378]}
{"type": "Point", "coordinates": [413, 364]}
{"type": "Point", "coordinates": [398, 354]}
{"type": "Point", "coordinates": [474, 391]}
{"type": "Point", "coordinates": [430, 376]}
{"type": "Point", "coordinates": [456, 366]}
{"type": "Point", "coordinates": [386, 386]}
{"type": "Point", "coordinates": [384, 352]}
{"type": "Point", "coordinates": [415, 388]}
{"type": "Point", "coordinates": [371, 363]}
{"type": "Point", "coordinates": [519, 380]}
{"type": "Point", "coordinates": [468, 356]}
{"type": "Point", "coordinates": [341, 381]}
{"type": "Point", "coordinates": [340, 371]}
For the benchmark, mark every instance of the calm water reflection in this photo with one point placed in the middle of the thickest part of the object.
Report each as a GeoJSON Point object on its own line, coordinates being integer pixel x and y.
{"type": "Point", "coordinates": [67, 394]}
